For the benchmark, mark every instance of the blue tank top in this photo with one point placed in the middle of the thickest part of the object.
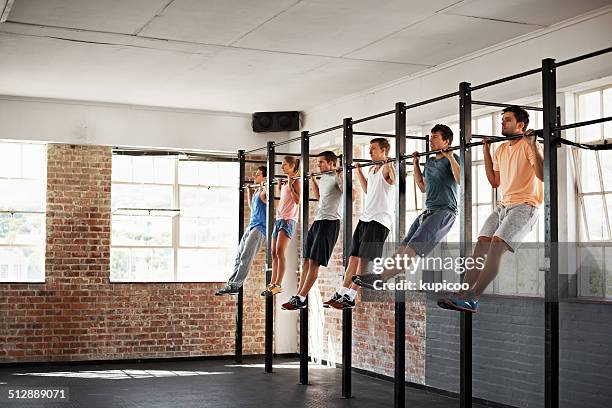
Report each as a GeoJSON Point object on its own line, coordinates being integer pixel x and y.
{"type": "Point", "coordinates": [258, 213]}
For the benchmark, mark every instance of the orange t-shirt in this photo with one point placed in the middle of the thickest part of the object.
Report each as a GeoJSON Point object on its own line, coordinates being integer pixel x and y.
{"type": "Point", "coordinates": [518, 180]}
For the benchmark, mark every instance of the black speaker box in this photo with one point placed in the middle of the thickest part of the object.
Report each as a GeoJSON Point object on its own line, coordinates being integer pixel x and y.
{"type": "Point", "coordinates": [276, 121]}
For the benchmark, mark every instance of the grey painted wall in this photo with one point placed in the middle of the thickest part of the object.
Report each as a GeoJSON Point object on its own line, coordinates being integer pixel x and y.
{"type": "Point", "coordinates": [508, 352]}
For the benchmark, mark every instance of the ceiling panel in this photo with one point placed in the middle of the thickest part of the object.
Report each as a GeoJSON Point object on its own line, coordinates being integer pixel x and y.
{"type": "Point", "coordinates": [116, 16]}
{"type": "Point", "coordinates": [337, 27]}
{"type": "Point", "coordinates": [441, 38]}
{"type": "Point", "coordinates": [213, 22]}
{"type": "Point", "coordinates": [542, 12]}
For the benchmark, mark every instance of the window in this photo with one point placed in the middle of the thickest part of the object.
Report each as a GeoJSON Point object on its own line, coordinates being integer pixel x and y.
{"type": "Point", "coordinates": [23, 181]}
{"type": "Point", "coordinates": [173, 220]}
{"type": "Point", "coordinates": [594, 183]}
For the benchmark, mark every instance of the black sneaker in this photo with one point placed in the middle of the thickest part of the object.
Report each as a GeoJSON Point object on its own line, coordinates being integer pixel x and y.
{"type": "Point", "coordinates": [344, 303]}
{"type": "Point", "coordinates": [334, 299]}
{"type": "Point", "coordinates": [367, 280]}
{"type": "Point", "coordinates": [294, 303]}
{"type": "Point", "coordinates": [227, 290]}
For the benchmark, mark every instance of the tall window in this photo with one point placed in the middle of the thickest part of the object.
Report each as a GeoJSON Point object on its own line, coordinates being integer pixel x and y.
{"type": "Point", "coordinates": [173, 220]}
{"type": "Point", "coordinates": [23, 182]}
{"type": "Point", "coordinates": [594, 176]}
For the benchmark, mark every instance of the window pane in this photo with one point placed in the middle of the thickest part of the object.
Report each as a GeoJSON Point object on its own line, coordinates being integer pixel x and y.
{"type": "Point", "coordinates": [213, 232]}
{"type": "Point", "coordinates": [22, 264]}
{"type": "Point", "coordinates": [141, 196]}
{"type": "Point", "coordinates": [589, 108]}
{"type": "Point", "coordinates": [527, 257]}
{"type": "Point", "coordinates": [143, 170]}
{"type": "Point", "coordinates": [209, 265]}
{"type": "Point", "coordinates": [34, 161]}
{"type": "Point", "coordinates": [122, 168]}
{"type": "Point", "coordinates": [607, 111]}
{"type": "Point", "coordinates": [591, 271]}
{"type": "Point", "coordinates": [606, 169]}
{"type": "Point", "coordinates": [482, 184]}
{"type": "Point", "coordinates": [608, 269]}
{"type": "Point", "coordinates": [10, 160]}
{"type": "Point", "coordinates": [141, 231]}
{"type": "Point", "coordinates": [142, 265]}
{"type": "Point", "coordinates": [196, 201]}
{"type": "Point", "coordinates": [22, 229]}
{"type": "Point", "coordinates": [164, 169]}
{"type": "Point", "coordinates": [188, 172]}
{"type": "Point", "coordinates": [22, 195]}
{"type": "Point", "coordinates": [595, 217]}
{"type": "Point", "coordinates": [589, 174]}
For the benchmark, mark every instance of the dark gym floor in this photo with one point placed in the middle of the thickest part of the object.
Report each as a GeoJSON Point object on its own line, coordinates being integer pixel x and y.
{"type": "Point", "coordinates": [204, 383]}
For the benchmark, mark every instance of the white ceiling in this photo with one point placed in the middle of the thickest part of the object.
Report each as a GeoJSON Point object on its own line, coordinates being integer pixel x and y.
{"type": "Point", "coordinates": [245, 56]}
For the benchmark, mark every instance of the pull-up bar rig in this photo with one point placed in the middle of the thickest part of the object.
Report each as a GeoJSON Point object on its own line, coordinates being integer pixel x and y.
{"type": "Point", "coordinates": [551, 141]}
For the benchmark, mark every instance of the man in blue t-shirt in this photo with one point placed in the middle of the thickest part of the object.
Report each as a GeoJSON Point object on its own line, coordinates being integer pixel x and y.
{"type": "Point", "coordinates": [439, 182]}
{"type": "Point", "coordinates": [254, 236]}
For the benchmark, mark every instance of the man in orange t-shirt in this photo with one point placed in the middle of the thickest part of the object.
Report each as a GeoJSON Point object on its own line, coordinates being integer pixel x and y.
{"type": "Point", "coordinates": [518, 169]}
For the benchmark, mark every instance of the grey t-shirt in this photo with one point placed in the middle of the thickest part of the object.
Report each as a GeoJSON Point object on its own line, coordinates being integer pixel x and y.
{"type": "Point", "coordinates": [330, 197]}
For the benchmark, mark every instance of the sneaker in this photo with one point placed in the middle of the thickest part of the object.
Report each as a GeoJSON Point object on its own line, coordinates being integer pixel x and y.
{"type": "Point", "coordinates": [367, 280]}
{"type": "Point", "coordinates": [272, 290]}
{"type": "Point", "coordinates": [334, 299]}
{"type": "Point", "coordinates": [459, 304]}
{"type": "Point", "coordinates": [227, 290]}
{"type": "Point", "coordinates": [344, 303]}
{"type": "Point", "coordinates": [294, 303]}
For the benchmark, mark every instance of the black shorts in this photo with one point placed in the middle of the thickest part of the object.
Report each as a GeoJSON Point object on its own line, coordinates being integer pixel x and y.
{"type": "Point", "coordinates": [322, 237]}
{"type": "Point", "coordinates": [369, 239]}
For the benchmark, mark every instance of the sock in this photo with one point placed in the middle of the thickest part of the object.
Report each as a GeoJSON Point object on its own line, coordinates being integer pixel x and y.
{"type": "Point", "coordinates": [302, 298]}
{"type": "Point", "coordinates": [351, 293]}
{"type": "Point", "coordinates": [342, 291]}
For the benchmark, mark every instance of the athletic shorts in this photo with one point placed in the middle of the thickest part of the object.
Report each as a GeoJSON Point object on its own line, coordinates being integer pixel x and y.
{"type": "Point", "coordinates": [369, 239]}
{"type": "Point", "coordinates": [429, 228]}
{"type": "Point", "coordinates": [286, 225]}
{"type": "Point", "coordinates": [510, 223]}
{"type": "Point", "coordinates": [322, 237]}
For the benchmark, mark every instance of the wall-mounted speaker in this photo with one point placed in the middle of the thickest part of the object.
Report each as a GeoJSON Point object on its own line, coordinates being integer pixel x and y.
{"type": "Point", "coordinates": [276, 121]}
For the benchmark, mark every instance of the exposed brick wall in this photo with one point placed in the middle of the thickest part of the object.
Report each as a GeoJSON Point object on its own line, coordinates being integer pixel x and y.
{"type": "Point", "coordinates": [78, 315]}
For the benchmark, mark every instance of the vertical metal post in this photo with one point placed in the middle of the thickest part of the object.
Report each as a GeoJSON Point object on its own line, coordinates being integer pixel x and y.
{"type": "Point", "coordinates": [269, 339]}
{"type": "Point", "coordinates": [240, 300]}
{"type": "Point", "coordinates": [304, 234]}
{"type": "Point", "coordinates": [347, 231]}
{"type": "Point", "coordinates": [551, 237]}
{"type": "Point", "coordinates": [399, 395]}
{"type": "Point", "coordinates": [465, 247]}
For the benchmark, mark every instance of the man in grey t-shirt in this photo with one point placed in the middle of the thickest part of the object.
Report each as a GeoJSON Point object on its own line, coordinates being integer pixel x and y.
{"type": "Point", "coordinates": [323, 233]}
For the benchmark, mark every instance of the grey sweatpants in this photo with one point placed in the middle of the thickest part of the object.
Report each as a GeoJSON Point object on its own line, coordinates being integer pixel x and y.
{"type": "Point", "coordinates": [247, 249]}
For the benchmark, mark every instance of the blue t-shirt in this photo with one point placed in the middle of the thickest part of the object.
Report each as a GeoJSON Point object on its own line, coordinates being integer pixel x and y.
{"type": "Point", "coordinates": [441, 188]}
{"type": "Point", "coordinates": [258, 213]}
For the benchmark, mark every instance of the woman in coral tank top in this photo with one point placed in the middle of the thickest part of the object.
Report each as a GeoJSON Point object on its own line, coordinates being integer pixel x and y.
{"type": "Point", "coordinates": [285, 224]}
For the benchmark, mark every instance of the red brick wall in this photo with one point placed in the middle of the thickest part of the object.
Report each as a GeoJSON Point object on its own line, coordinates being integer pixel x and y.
{"type": "Point", "coordinates": [78, 315]}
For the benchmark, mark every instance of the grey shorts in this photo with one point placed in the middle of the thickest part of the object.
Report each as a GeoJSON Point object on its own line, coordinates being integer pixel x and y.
{"type": "Point", "coordinates": [510, 223]}
{"type": "Point", "coordinates": [428, 229]}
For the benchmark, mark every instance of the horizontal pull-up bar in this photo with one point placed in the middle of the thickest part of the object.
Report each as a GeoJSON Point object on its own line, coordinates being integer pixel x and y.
{"type": "Point", "coordinates": [378, 115]}
{"type": "Point", "coordinates": [585, 123]}
{"type": "Point", "coordinates": [387, 135]}
{"type": "Point", "coordinates": [320, 132]}
{"type": "Point", "coordinates": [506, 105]}
{"type": "Point", "coordinates": [606, 145]}
{"type": "Point", "coordinates": [255, 150]}
{"type": "Point", "coordinates": [284, 142]}
{"type": "Point", "coordinates": [432, 100]}
{"type": "Point", "coordinates": [506, 79]}
{"type": "Point", "coordinates": [583, 57]}
{"type": "Point", "coordinates": [261, 161]}
{"type": "Point", "coordinates": [287, 154]}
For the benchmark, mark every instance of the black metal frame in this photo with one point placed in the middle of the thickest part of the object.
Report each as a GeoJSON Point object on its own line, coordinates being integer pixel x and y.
{"type": "Point", "coordinates": [347, 232]}
{"type": "Point", "coordinates": [465, 228]}
{"type": "Point", "coordinates": [399, 387]}
{"type": "Point", "coordinates": [305, 142]}
{"type": "Point", "coordinates": [240, 299]}
{"type": "Point", "coordinates": [269, 330]}
{"type": "Point", "coordinates": [552, 140]}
